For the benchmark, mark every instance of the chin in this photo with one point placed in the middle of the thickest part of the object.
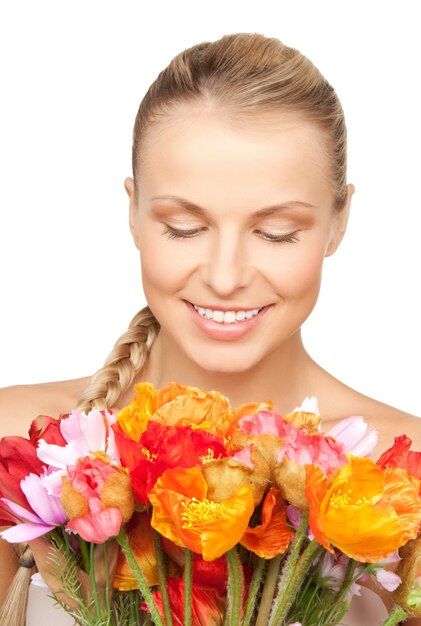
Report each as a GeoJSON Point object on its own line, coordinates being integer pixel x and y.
{"type": "Point", "coordinates": [222, 363]}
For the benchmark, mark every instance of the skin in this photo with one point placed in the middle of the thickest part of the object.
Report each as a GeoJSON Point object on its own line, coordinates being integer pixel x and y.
{"type": "Point", "coordinates": [232, 169]}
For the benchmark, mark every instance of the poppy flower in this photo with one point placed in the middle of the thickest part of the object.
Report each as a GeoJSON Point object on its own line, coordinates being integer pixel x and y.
{"type": "Point", "coordinates": [18, 459]}
{"type": "Point", "coordinates": [365, 511]}
{"type": "Point", "coordinates": [98, 498]}
{"type": "Point", "coordinates": [175, 405]}
{"type": "Point", "coordinates": [300, 449]}
{"type": "Point", "coordinates": [183, 513]}
{"type": "Point", "coordinates": [162, 447]}
{"type": "Point", "coordinates": [273, 535]}
{"type": "Point", "coordinates": [400, 455]}
{"type": "Point", "coordinates": [47, 428]}
{"type": "Point", "coordinates": [207, 602]}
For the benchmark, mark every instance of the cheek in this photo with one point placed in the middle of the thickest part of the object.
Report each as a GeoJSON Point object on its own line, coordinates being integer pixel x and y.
{"type": "Point", "coordinates": [165, 264]}
{"type": "Point", "coordinates": [298, 274]}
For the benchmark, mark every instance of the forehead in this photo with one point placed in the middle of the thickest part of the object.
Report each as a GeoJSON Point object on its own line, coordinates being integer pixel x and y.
{"type": "Point", "coordinates": [200, 153]}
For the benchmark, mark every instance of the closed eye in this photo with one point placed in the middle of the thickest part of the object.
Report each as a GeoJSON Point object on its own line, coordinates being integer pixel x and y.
{"type": "Point", "coordinates": [173, 233]}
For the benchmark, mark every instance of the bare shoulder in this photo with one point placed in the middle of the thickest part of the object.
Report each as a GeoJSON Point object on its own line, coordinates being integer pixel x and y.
{"type": "Point", "coordinates": [389, 421]}
{"type": "Point", "coordinates": [392, 422]}
{"type": "Point", "coordinates": [20, 404]}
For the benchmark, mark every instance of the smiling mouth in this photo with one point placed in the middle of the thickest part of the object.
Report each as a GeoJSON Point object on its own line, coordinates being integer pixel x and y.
{"type": "Point", "coordinates": [227, 316]}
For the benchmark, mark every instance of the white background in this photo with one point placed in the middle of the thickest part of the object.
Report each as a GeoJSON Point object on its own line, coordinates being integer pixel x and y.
{"type": "Point", "coordinates": [72, 76]}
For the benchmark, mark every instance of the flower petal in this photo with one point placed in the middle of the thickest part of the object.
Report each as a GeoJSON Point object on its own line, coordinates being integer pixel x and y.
{"type": "Point", "coordinates": [273, 535]}
{"type": "Point", "coordinates": [59, 456]}
{"type": "Point", "coordinates": [47, 507]}
{"type": "Point", "coordinates": [25, 532]}
{"type": "Point", "coordinates": [355, 436]}
{"type": "Point", "coordinates": [97, 528]}
{"type": "Point", "coordinates": [388, 580]}
{"type": "Point", "coordinates": [21, 512]}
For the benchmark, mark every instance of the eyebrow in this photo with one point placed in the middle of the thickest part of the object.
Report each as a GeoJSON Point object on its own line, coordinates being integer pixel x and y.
{"type": "Point", "coordinates": [270, 210]}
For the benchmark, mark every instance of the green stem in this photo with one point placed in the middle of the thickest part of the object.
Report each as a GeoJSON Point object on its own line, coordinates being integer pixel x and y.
{"type": "Point", "coordinates": [134, 608]}
{"type": "Point", "coordinates": [253, 591]}
{"type": "Point", "coordinates": [93, 581]}
{"type": "Point", "coordinates": [162, 576]}
{"type": "Point", "coordinates": [188, 582]}
{"type": "Point", "coordinates": [123, 541]}
{"type": "Point", "coordinates": [85, 554]}
{"type": "Point", "coordinates": [288, 569]}
{"type": "Point", "coordinates": [398, 614]}
{"type": "Point", "coordinates": [235, 587]}
{"type": "Point", "coordinates": [268, 590]}
{"type": "Point", "coordinates": [107, 583]}
{"type": "Point", "coordinates": [292, 579]}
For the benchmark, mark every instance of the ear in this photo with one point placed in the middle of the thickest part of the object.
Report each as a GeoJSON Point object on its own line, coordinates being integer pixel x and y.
{"type": "Point", "coordinates": [340, 221]}
{"type": "Point", "coordinates": [129, 187]}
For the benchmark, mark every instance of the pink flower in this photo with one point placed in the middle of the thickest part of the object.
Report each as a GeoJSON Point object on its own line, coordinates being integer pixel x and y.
{"type": "Point", "coordinates": [307, 449]}
{"type": "Point", "coordinates": [354, 435]}
{"type": "Point", "coordinates": [98, 498]}
{"type": "Point", "coordinates": [47, 512]}
{"type": "Point", "coordinates": [264, 423]}
{"type": "Point", "coordinates": [386, 579]}
{"type": "Point", "coordinates": [83, 434]}
{"type": "Point", "coordinates": [333, 571]}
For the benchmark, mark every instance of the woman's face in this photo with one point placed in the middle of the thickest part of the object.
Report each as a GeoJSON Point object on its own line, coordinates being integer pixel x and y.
{"type": "Point", "coordinates": [229, 259]}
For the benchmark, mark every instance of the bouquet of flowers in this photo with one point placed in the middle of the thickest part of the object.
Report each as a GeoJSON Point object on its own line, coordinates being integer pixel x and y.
{"type": "Point", "coordinates": [183, 510]}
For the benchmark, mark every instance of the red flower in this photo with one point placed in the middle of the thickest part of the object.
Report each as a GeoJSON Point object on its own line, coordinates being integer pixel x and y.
{"type": "Point", "coordinates": [208, 594]}
{"type": "Point", "coordinates": [399, 455]}
{"type": "Point", "coordinates": [18, 458]}
{"type": "Point", "coordinates": [163, 447]}
{"type": "Point", "coordinates": [47, 428]}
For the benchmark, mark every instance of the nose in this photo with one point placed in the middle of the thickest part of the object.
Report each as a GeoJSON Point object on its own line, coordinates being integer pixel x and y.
{"type": "Point", "coordinates": [226, 265]}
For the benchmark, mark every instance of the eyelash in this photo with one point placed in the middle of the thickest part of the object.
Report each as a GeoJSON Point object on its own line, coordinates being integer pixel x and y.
{"type": "Point", "coordinates": [188, 234]}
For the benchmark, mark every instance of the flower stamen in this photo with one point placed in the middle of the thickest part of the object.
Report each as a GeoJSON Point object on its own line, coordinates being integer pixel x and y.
{"type": "Point", "coordinates": [199, 512]}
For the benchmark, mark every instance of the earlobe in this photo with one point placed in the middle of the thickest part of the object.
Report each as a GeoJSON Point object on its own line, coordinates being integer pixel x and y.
{"type": "Point", "coordinates": [340, 223]}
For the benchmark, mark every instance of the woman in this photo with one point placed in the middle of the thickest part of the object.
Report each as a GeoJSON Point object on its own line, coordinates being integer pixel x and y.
{"type": "Point", "coordinates": [238, 194]}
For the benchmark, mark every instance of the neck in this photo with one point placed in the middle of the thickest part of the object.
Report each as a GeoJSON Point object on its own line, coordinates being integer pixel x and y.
{"type": "Point", "coordinates": [285, 376]}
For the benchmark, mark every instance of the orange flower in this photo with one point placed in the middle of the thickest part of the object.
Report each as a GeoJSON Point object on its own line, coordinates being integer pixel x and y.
{"type": "Point", "coordinates": [175, 405]}
{"type": "Point", "coordinates": [273, 535]}
{"type": "Point", "coordinates": [183, 513]}
{"type": "Point", "coordinates": [134, 417]}
{"type": "Point", "coordinates": [192, 406]}
{"type": "Point", "coordinates": [366, 512]}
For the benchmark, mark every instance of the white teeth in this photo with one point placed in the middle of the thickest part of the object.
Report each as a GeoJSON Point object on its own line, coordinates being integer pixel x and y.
{"type": "Point", "coordinates": [227, 317]}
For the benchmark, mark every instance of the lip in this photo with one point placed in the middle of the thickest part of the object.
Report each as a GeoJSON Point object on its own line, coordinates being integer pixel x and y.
{"type": "Point", "coordinates": [223, 308]}
{"type": "Point", "coordinates": [225, 332]}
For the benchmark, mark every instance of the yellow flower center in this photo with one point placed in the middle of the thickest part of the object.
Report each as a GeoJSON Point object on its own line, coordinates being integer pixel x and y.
{"type": "Point", "coordinates": [147, 454]}
{"type": "Point", "coordinates": [343, 498]}
{"type": "Point", "coordinates": [210, 456]}
{"type": "Point", "coordinates": [199, 512]}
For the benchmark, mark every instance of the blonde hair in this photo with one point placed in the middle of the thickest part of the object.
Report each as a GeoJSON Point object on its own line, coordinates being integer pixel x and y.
{"type": "Point", "coordinates": [245, 75]}
{"type": "Point", "coordinates": [13, 611]}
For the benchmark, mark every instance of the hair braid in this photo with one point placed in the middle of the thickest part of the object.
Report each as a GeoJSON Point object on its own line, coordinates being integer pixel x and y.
{"type": "Point", "coordinates": [128, 357]}
{"type": "Point", "coordinates": [13, 611]}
